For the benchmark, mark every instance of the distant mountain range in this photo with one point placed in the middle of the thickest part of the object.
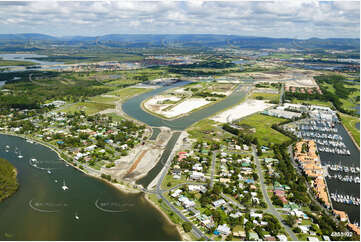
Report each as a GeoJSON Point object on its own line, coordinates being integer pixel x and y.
{"type": "Point", "coordinates": [187, 40]}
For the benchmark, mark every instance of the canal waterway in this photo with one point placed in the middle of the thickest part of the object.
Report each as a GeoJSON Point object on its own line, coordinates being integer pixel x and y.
{"type": "Point", "coordinates": [132, 107]}
{"type": "Point", "coordinates": [145, 181]}
{"type": "Point", "coordinates": [42, 210]}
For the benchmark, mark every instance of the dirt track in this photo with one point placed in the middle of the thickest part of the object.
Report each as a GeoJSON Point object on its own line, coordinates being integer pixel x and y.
{"type": "Point", "coordinates": [139, 158]}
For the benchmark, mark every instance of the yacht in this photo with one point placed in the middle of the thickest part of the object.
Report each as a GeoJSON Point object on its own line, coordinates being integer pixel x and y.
{"type": "Point", "coordinates": [64, 187]}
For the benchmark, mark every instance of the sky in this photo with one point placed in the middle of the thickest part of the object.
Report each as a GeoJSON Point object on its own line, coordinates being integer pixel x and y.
{"type": "Point", "coordinates": [286, 19]}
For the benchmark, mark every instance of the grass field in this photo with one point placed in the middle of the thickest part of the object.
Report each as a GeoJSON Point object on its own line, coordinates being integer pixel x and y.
{"type": "Point", "coordinates": [353, 99]}
{"type": "Point", "coordinates": [89, 107]}
{"type": "Point", "coordinates": [128, 92]}
{"type": "Point", "coordinates": [206, 130]}
{"type": "Point", "coordinates": [102, 99]}
{"type": "Point", "coordinates": [116, 117]}
{"type": "Point", "coordinates": [350, 124]}
{"type": "Point", "coordinates": [264, 132]}
{"type": "Point", "coordinates": [265, 96]}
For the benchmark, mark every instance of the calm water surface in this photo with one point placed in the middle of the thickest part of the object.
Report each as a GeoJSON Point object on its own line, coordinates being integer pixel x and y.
{"type": "Point", "coordinates": [344, 187]}
{"type": "Point", "coordinates": [42, 210]}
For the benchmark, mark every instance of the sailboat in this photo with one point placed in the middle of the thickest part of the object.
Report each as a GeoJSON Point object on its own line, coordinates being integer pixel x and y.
{"type": "Point", "coordinates": [64, 187]}
{"type": "Point", "coordinates": [76, 216]}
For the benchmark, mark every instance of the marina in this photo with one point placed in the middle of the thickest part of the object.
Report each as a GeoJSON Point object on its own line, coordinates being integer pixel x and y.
{"type": "Point", "coordinates": [345, 199]}
{"type": "Point", "coordinates": [340, 159]}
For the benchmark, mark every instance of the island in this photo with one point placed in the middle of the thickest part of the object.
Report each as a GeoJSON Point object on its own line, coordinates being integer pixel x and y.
{"type": "Point", "coordinates": [8, 182]}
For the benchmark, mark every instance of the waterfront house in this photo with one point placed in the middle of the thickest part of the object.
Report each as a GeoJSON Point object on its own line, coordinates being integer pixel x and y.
{"type": "Point", "coordinates": [341, 214]}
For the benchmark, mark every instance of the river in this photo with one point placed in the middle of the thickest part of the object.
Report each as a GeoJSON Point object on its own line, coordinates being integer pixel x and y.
{"type": "Point", "coordinates": [132, 107]}
{"type": "Point", "coordinates": [40, 64]}
{"type": "Point", "coordinates": [41, 210]}
{"type": "Point", "coordinates": [27, 57]}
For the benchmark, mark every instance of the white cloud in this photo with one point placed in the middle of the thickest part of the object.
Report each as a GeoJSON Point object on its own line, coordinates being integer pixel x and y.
{"type": "Point", "coordinates": [303, 19]}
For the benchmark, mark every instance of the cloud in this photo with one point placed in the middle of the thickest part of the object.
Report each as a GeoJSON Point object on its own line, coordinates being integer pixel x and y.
{"type": "Point", "coordinates": [302, 19]}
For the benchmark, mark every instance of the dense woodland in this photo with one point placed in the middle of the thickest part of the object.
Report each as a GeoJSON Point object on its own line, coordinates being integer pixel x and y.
{"type": "Point", "coordinates": [8, 182]}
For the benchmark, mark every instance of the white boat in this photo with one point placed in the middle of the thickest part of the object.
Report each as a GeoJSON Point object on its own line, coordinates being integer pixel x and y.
{"type": "Point", "coordinates": [20, 156]}
{"type": "Point", "coordinates": [64, 187]}
{"type": "Point", "coordinates": [76, 216]}
{"type": "Point", "coordinates": [49, 171]}
{"type": "Point", "coordinates": [7, 147]}
{"type": "Point", "coordinates": [34, 160]}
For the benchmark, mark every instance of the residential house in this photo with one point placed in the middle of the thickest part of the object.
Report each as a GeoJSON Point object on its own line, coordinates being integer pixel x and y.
{"type": "Point", "coordinates": [224, 229]}
{"type": "Point", "coordinates": [219, 202]}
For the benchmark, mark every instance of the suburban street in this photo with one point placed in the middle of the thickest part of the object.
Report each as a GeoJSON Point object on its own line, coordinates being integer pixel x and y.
{"type": "Point", "coordinates": [270, 207]}
{"type": "Point", "coordinates": [213, 168]}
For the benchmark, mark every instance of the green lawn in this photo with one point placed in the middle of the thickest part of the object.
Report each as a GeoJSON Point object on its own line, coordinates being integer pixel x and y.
{"type": "Point", "coordinates": [350, 124]}
{"type": "Point", "coordinates": [174, 182]}
{"type": "Point", "coordinates": [264, 132]}
{"type": "Point", "coordinates": [89, 107]}
{"type": "Point", "coordinates": [312, 102]}
{"type": "Point", "coordinates": [265, 96]}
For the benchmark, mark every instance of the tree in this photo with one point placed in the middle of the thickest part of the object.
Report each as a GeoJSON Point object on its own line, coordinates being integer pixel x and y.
{"type": "Point", "coordinates": [187, 226]}
{"type": "Point", "coordinates": [291, 220]}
